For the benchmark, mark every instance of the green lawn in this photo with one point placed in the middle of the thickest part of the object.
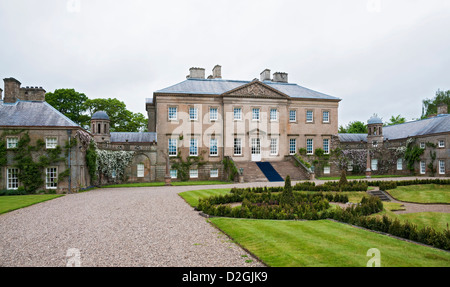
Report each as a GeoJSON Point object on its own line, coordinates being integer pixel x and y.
{"type": "Point", "coordinates": [324, 243]}
{"type": "Point", "coordinates": [178, 183]}
{"type": "Point", "coordinates": [192, 197]}
{"type": "Point", "coordinates": [10, 203]}
{"type": "Point", "coordinates": [426, 193]}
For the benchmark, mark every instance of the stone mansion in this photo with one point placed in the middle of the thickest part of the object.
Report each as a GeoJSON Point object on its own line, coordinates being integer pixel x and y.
{"type": "Point", "coordinates": [210, 128]}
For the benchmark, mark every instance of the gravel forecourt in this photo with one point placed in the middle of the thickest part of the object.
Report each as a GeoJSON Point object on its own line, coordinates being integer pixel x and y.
{"type": "Point", "coordinates": [145, 227]}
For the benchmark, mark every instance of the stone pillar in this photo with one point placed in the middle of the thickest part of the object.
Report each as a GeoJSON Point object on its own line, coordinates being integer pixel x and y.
{"type": "Point", "coordinates": [369, 165]}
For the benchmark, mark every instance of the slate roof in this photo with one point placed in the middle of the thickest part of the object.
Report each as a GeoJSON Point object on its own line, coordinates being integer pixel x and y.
{"type": "Point", "coordinates": [435, 125]}
{"type": "Point", "coordinates": [133, 137]}
{"type": "Point", "coordinates": [220, 86]}
{"type": "Point", "coordinates": [32, 114]}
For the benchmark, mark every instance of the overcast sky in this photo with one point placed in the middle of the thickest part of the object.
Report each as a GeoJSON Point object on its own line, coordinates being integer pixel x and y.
{"type": "Point", "coordinates": [378, 56]}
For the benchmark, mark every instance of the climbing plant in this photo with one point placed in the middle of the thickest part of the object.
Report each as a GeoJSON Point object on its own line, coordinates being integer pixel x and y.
{"type": "Point", "coordinates": [412, 153]}
{"type": "Point", "coordinates": [183, 166]}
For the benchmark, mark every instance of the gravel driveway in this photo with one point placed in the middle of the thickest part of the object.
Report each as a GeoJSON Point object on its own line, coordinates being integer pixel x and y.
{"type": "Point", "coordinates": [117, 227]}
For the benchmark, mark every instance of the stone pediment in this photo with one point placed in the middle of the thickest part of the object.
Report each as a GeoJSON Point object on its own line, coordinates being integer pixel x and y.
{"type": "Point", "coordinates": [256, 89]}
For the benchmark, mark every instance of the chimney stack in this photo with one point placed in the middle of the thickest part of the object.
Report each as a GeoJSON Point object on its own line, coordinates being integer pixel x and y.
{"type": "Point", "coordinates": [1, 92]}
{"type": "Point", "coordinates": [265, 75]}
{"type": "Point", "coordinates": [217, 72]}
{"type": "Point", "coordinates": [280, 77]}
{"type": "Point", "coordinates": [196, 73]}
{"type": "Point", "coordinates": [12, 89]}
{"type": "Point", "coordinates": [442, 109]}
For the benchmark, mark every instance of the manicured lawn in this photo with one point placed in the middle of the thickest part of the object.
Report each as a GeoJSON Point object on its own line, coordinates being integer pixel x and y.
{"type": "Point", "coordinates": [426, 193]}
{"type": "Point", "coordinates": [359, 177]}
{"type": "Point", "coordinates": [152, 184]}
{"type": "Point", "coordinates": [10, 203]}
{"type": "Point", "coordinates": [324, 243]}
{"type": "Point", "coordinates": [192, 197]}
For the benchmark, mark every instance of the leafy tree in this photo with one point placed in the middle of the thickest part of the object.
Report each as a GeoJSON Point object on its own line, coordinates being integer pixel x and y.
{"type": "Point", "coordinates": [355, 127]}
{"type": "Point", "coordinates": [429, 106]}
{"type": "Point", "coordinates": [70, 103]}
{"type": "Point", "coordinates": [395, 120]}
{"type": "Point", "coordinates": [122, 120]}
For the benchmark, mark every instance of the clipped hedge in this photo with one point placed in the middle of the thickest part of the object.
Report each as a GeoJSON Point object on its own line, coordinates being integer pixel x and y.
{"type": "Point", "coordinates": [392, 183]}
{"type": "Point", "coordinates": [333, 186]}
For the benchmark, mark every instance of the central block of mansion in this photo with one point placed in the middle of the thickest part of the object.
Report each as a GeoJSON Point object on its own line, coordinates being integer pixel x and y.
{"type": "Point", "coordinates": [264, 120]}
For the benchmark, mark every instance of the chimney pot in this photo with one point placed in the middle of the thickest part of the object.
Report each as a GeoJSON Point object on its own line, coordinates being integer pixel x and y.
{"type": "Point", "coordinates": [442, 109]}
{"type": "Point", "coordinates": [196, 73]}
{"type": "Point", "coordinates": [280, 77]}
{"type": "Point", "coordinates": [217, 72]}
{"type": "Point", "coordinates": [265, 75]}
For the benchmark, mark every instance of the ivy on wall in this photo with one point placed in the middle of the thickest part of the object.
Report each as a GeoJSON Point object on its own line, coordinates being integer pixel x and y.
{"type": "Point", "coordinates": [183, 166]}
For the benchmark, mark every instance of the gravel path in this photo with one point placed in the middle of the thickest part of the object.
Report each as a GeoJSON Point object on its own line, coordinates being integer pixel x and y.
{"type": "Point", "coordinates": [117, 227]}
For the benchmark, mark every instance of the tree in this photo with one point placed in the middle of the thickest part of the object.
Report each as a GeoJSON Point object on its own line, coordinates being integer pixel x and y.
{"type": "Point", "coordinates": [429, 106]}
{"type": "Point", "coordinates": [395, 120]}
{"type": "Point", "coordinates": [70, 103]}
{"type": "Point", "coordinates": [355, 127]}
{"type": "Point", "coordinates": [122, 120]}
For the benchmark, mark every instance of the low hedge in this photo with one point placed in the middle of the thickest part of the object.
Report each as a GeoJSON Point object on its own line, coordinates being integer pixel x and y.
{"type": "Point", "coordinates": [333, 186]}
{"type": "Point", "coordinates": [391, 184]}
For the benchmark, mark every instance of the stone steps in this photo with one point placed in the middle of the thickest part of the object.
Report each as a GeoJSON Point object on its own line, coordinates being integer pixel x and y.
{"type": "Point", "coordinates": [380, 194]}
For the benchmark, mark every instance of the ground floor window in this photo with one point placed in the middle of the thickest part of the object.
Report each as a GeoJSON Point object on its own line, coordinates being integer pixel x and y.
{"type": "Point", "coordinates": [237, 146]}
{"type": "Point", "coordinates": [350, 166]}
{"type": "Point", "coordinates": [292, 146]}
{"type": "Point", "coordinates": [173, 173]}
{"type": "Point", "coordinates": [374, 164]}
{"type": "Point", "coordinates": [140, 170]}
{"type": "Point", "coordinates": [326, 170]}
{"type": "Point", "coordinates": [51, 178]}
{"type": "Point", "coordinates": [193, 173]}
{"type": "Point", "coordinates": [441, 167]}
{"type": "Point", "coordinates": [326, 146]}
{"type": "Point", "coordinates": [12, 174]}
{"type": "Point", "coordinates": [214, 173]}
{"type": "Point", "coordinates": [309, 146]}
{"type": "Point", "coordinates": [400, 164]}
{"type": "Point", "coordinates": [422, 167]}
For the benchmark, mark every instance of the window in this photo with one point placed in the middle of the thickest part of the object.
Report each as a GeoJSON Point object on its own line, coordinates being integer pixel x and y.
{"type": "Point", "coordinates": [422, 145]}
{"type": "Point", "coordinates": [51, 143]}
{"type": "Point", "coordinates": [400, 164]}
{"type": "Point", "coordinates": [193, 147]}
{"type": "Point", "coordinates": [113, 174]}
{"type": "Point", "coordinates": [193, 173]}
{"type": "Point", "coordinates": [140, 170]}
{"type": "Point", "coordinates": [292, 116]}
{"type": "Point", "coordinates": [441, 143]}
{"type": "Point", "coordinates": [374, 143]}
{"type": "Point", "coordinates": [213, 114]}
{"type": "Point", "coordinates": [237, 114]}
{"type": "Point", "coordinates": [273, 146]}
{"type": "Point", "coordinates": [12, 175]}
{"type": "Point", "coordinates": [422, 167]}
{"type": "Point", "coordinates": [173, 173]}
{"type": "Point", "coordinates": [237, 146]}
{"type": "Point", "coordinates": [309, 116]}
{"type": "Point", "coordinates": [350, 166]}
{"type": "Point", "coordinates": [326, 146]}
{"type": "Point", "coordinates": [273, 115]}
{"type": "Point", "coordinates": [309, 146]}
{"type": "Point", "coordinates": [292, 146]}
{"type": "Point", "coordinates": [255, 114]}
{"type": "Point", "coordinates": [173, 113]}
{"type": "Point", "coordinates": [51, 178]}
{"type": "Point", "coordinates": [214, 173]}
{"type": "Point", "coordinates": [374, 164]}
{"type": "Point", "coordinates": [12, 143]}
{"type": "Point", "coordinates": [326, 170]}
{"type": "Point", "coordinates": [213, 150]}
{"type": "Point", "coordinates": [193, 114]}
{"type": "Point", "coordinates": [173, 147]}
{"type": "Point", "coordinates": [442, 167]}
{"type": "Point", "coordinates": [326, 116]}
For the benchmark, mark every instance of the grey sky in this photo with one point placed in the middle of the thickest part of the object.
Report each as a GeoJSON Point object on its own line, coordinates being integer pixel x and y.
{"type": "Point", "coordinates": [378, 56]}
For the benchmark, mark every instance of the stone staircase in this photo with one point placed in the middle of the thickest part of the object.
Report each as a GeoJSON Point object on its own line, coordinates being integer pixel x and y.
{"type": "Point", "coordinates": [380, 194]}
{"type": "Point", "coordinates": [252, 173]}
{"type": "Point", "coordinates": [287, 167]}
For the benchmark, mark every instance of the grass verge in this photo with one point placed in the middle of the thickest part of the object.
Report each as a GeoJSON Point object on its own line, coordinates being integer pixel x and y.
{"type": "Point", "coordinates": [425, 193]}
{"type": "Point", "coordinates": [324, 244]}
{"type": "Point", "coordinates": [10, 203]}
